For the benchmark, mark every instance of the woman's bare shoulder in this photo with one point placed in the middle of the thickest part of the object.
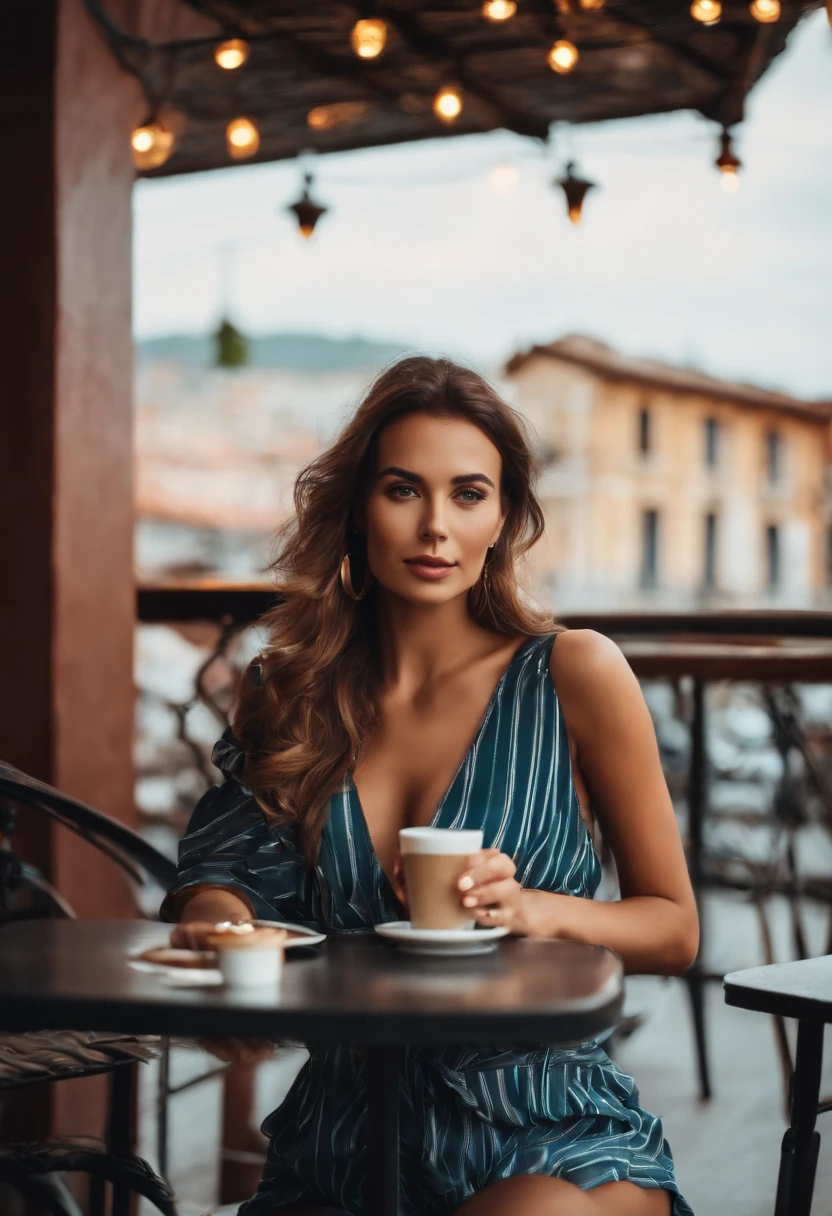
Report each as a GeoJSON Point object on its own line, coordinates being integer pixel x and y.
{"type": "Point", "coordinates": [593, 679]}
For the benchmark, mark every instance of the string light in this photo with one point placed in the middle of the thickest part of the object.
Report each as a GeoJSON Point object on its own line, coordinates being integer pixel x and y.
{"type": "Point", "coordinates": [369, 37]}
{"type": "Point", "coordinates": [765, 11]}
{"type": "Point", "coordinates": [447, 104]}
{"type": "Point", "coordinates": [592, 5]}
{"type": "Point", "coordinates": [708, 12]}
{"type": "Point", "coordinates": [562, 57]}
{"type": "Point", "coordinates": [576, 189]}
{"type": "Point", "coordinates": [242, 138]}
{"type": "Point", "coordinates": [232, 53]}
{"type": "Point", "coordinates": [151, 144]}
{"type": "Point", "coordinates": [499, 10]}
{"type": "Point", "coordinates": [306, 210]}
{"type": "Point", "coordinates": [729, 164]}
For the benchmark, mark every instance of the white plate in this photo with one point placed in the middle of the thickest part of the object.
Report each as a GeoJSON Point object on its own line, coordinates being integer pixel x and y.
{"type": "Point", "coordinates": [198, 977]}
{"type": "Point", "coordinates": [441, 942]}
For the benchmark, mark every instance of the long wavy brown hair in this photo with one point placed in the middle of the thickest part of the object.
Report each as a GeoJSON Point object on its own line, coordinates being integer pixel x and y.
{"type": "Point", "coordinates": [303, 726]}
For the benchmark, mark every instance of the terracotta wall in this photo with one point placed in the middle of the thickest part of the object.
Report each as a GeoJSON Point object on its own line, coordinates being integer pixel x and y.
{"type": "Point", "coordinates": [67, 599]}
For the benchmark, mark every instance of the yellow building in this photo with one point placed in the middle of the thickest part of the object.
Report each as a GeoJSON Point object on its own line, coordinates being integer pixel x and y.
{"type": "Point", "coordinates": [667, 488]}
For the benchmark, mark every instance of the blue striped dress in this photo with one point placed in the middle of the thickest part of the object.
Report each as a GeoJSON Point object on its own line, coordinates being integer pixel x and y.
{"type": "Point", "coordinates": [470, 1116]}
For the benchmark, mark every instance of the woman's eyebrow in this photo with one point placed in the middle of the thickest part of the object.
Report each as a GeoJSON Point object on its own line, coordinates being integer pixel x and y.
{"type": "Point", "coordinates": [394, 471]}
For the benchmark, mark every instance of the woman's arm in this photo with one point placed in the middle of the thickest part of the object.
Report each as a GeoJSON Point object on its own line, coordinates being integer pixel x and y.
{"type": "Point", "coordinates": [201, 908]}
{"type": "Point", "coordinates": [654, 927]}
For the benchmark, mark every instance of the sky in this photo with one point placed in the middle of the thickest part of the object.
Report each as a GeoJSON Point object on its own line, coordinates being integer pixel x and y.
{"type": "Point", "coordinates": [462, 246]}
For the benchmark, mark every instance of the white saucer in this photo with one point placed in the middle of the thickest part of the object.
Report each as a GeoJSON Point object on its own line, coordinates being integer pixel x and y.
{"type": "Point", "coordinates": [441, 942]}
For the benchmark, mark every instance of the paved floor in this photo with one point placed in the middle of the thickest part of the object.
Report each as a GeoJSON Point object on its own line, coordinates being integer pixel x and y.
{"type": "Point", "coordinates": [726, 1150]}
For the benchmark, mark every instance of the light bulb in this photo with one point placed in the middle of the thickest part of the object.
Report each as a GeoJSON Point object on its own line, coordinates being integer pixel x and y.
{"type": "Point", "coordinates": [503, 179]}
{"type": "Point", "coordinates": [575, 189]}
{"type": "Point", "coordinates": [368, 37]}
{"type": "Point", "coordinates": [591, 5]}
{"type": "Point", "coordinates": [242, 138]}
{"type": "Point", "coordinates": [707, 11]}
{"type": "Point", "coordinates": [728, 163]}
{"type": "Point", "coordinates": [765, 11]}
{"type": "Point", "coordinates": [447, 105]}
{"type": "Point", "coordinates": [306, 211]}
{"type": "Point", "coordinates": [499, 10]}
{"type": "Point", "coordinates": [562, 57]}
{"type": "Point", "coordinates": [151, 144]}
{"type": "Point", "coordinates": [232, 53]}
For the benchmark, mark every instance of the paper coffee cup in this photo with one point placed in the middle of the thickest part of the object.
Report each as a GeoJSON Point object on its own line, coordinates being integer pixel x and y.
{"type": "Point", "coordinates": [434, 860]}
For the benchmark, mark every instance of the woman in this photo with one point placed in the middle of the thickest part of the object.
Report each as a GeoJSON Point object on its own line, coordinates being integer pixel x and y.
{"type": "Point", "coordinates": [407, 681]}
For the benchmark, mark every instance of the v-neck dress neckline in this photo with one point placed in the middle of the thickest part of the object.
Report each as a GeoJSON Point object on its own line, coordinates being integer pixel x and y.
{"type": "Point", "coordinates": [383, 882]}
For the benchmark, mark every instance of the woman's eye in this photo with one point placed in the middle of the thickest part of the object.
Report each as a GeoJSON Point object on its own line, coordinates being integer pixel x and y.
{"type": "Point", "coordinates": [472, 495]}
{"type": "Point", "coordinates": [401, 491]}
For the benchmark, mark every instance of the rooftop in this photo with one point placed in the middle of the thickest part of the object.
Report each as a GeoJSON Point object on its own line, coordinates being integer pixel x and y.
{"type": "Point", "coordinates": [611, 364]}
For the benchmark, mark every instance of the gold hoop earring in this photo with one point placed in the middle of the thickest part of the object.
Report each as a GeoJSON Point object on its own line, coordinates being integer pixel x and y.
{"type": "Point", "coordinates": [346, 580]}
{"type": "Point", "coordinates": [486, 574]}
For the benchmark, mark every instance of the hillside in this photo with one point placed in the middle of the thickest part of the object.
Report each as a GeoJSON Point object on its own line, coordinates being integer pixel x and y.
{"type": "Point", "coordinates": [292, 352]}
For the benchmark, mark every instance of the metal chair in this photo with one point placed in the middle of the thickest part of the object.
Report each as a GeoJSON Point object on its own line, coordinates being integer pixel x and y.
{"type": "Point", "coordinates": [35, 1169]}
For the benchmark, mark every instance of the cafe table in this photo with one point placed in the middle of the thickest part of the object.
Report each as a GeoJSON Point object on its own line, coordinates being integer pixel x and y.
{"type": "Point", "coordinates": [354, 988]}
{"type": "Point", "coordinates": [801, 989]}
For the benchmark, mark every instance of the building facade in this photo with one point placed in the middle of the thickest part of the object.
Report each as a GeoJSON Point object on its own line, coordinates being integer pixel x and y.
{"type": "Point", "coordinates": [666, 488]}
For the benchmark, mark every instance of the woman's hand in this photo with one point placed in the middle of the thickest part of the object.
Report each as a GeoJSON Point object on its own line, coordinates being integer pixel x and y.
{"type": "Point", "coordinates": [193, 934]}
{"type": "Point", "coordinates": [491, 892]}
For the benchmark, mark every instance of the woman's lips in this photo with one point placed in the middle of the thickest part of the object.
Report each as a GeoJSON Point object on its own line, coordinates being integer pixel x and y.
{"type": "Point", "coordinates": [431, 574]}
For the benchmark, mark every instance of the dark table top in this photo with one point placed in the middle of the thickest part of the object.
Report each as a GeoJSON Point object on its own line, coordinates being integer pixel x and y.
{"type": "Point", "coordinates": [801, 989]}
{"type": "Point", "coordinates": [352, 988]}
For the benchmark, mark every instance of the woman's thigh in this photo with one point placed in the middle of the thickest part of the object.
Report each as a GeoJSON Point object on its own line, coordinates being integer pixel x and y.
{"type": "Point", "coordinates": [540, 1195]}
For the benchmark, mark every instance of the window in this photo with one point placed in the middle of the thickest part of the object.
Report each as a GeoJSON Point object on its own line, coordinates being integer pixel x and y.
{"type": "Point", "coordinates": [774, 457]}
{"type": "Point", "coordinates": [644, 431]}
{"type": "Point", "coordinates": [709, 572]}
{"type": "Point", "coordinates": [711, 442]}
{"type": "Point", "coordinates": [649, 549]}
{"type": "Point", "coordinates": [772, 557]}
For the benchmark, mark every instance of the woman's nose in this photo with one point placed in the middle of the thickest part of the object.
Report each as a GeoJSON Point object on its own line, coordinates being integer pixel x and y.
{"type": "Point", "coordinates": [433, 525]}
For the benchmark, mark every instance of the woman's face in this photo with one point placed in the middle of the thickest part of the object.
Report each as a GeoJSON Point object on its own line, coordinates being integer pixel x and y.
{"type": "Point", "coordinates": [432, 508]}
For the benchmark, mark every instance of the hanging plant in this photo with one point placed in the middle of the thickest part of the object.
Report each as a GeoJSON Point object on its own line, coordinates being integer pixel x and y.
{"type": "Point", "coordinates": [231, 345]}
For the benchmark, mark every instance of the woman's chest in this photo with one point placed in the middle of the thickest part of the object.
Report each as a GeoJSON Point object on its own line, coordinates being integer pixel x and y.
{"type": "Point", "coordinates": [410, 764]}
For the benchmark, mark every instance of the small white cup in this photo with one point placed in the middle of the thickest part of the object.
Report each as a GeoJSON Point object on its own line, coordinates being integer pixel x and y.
{"type": "Point", "coordinates": [251, 968]}
{"type": "Point", "coordinates": [249, 957]}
